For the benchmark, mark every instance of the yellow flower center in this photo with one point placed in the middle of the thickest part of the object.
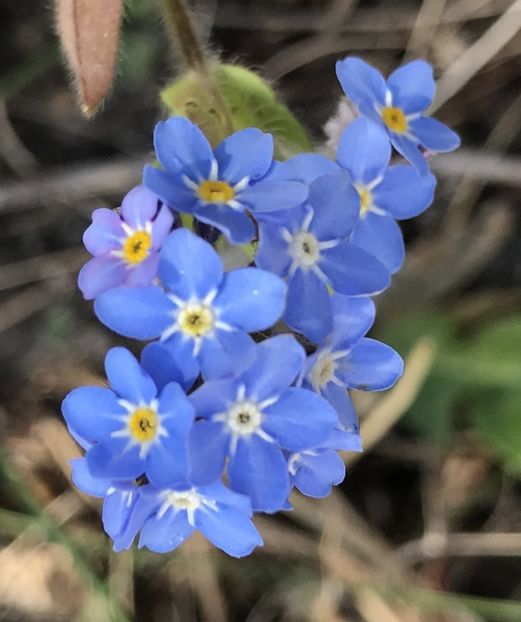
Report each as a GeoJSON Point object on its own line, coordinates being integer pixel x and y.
{"type": "Point", "coordinates": [366, 199]}
{"type": "Point", "coordinates": [196, 320]}
{"type": "Point", "coordinates": [395, 119]}
{"type": "Point", "coordinates": [136, 247]}
{"type": "Point", "coordinates": [215, 191]}
{"type": "Point", "coordinates": [143, 424]}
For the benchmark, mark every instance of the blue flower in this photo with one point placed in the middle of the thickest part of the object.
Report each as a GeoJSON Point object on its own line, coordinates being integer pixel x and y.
{"type": "Point", "coordinates": [314, 471]}
{"type": "Point", "coordinates": [204, 315]}
{"type": "Point", "coordinates": [385, 193]}
{"type": "Point", "coordinates": [125, 247]}
{"type": "Point", "coordinates": [252, 418]}
{"type": "Point", "coordinates": [348, 360]}
{"type": "Point", "coordinates": [311, 247]}
{"type": "Point", "coordinates": [133, 428]}
{"type": "Point", "coordinates": [219, 186]}
{"type": "Point", "coordinates": [399, 105]}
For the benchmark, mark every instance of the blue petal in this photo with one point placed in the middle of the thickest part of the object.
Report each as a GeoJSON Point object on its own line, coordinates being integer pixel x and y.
{"type": "Point", "coordinates": [308, 309]}
{"type": "Point", "coordinates": [137, 312]}
{"type": "Point", "coordinates": [364, 150]}
{"type": "Point", "coordinates": [250, 299]}
{"type": "Point", "coordinates": [213, 397]}
{"type": "Point", "coordinates": [101, 274]}
{"type": "Point", "coordinates": [164, 366]}
{"type": "Point", "coordinates": [342, 440]}
{"type": "Point", "coordinates": [247, 153]}
{"type": "Point", "coordinates": [170, 188]}
{"type": "Point", "coordinates": [134, 511]}
{"type": "Point", "coordinates": [127, 378]}
{"type": "Point", "coordinates": [272, 196]}
{"type": "Point", "coordinates": [339, 398]}
{"type": "Point", "coordinates": [352, 318]}
{"type": "Point", "coordinates": [92, 412]}
{"type": "Point", "coordinates": [412, 82]}
{"type": "Point", "coordinates": [105, 233]}
{"type": "Point", "coordinates": [353, 271]}
{"type": "Point", "coordinates": [410, 151]}
{"type": "Point", "coordinates": [304, 167]}
{"type": "Point", "coordinates": [380, 235]}
{"type": "Point", "coordinates": [272, 253]}
{"type": "Point", "coordinates": [167, 462]}
{"type": "Point", "coordinates": [259, 470]}
{"type": "Point", "coordinates": [403, 192]}
{"type": "Point", "coordinates": [109, 459]}
{"type": "Point", "coordinates": [229, 529]}
{"type": "Point", "coordinates": [236, 226]}
{"type": "Point", "coordinates": [371, 366]}
{"type": "Point", "coordinates": [299, 419]}
{"type": "Point", "coordinates": [336, 206]}
{"type": "Point", "coordinates": [316, 474]}
{"type": "Point", "coordinates": [208, 447]}
{"type": "Point", "coordinates": [165, 534]}
{"type": "Point", "coordinates": [278, 362]}
{"type": "Point", "coordinates": [139, 207]}
{"type": "Point", "coordinates": [161, 226]}
{"type": "Point", "coordinates": [226, 354]}
{"type": "Point", "coordinates": [189, 266]}
{"type": "Point", "coordinates": [180, 145]}
{"type": "Point", "coordinates": [435, 135]}
{"type": "Point", "coordinates": [224, 496]}
{"type": "Point", "coordinates": [360, 81]}
{"type": "Point", "coordinates": [117, 509]}
{"type": "Point", "coordinates": [83, 480]}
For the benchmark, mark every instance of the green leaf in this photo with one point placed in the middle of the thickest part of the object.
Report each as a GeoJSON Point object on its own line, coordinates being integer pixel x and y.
{"type": "Point", "coordinates": [232, 98]}
{"type": "Point", "coordinates": [403, 333]}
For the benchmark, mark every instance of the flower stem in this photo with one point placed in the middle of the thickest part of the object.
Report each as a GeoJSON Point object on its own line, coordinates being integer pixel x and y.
{"type": "Point", "coordinates": [186, 39]}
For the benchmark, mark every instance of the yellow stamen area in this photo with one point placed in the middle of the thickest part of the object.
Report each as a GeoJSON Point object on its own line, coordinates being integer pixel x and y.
{"type": "Point", "coordinates": [196, 320]}
{"type": "Point", "coordinates": [143, 424]}
{"type": "Point", "coordinates": [136, 247]}
{"type": "Point", "coordinates": [395, 119]}
{"type": "Point", "coordinates": [215, 191]}
{"type": "Point", "coordinates": [366, 200]}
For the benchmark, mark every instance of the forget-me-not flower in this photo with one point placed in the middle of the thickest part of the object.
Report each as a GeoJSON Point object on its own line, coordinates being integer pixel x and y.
{"type": "Point", "coordinates": [399, 105]}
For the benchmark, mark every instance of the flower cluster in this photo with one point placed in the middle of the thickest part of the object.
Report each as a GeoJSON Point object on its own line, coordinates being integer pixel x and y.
{"type": "Point", "coordinates": [246, 375]}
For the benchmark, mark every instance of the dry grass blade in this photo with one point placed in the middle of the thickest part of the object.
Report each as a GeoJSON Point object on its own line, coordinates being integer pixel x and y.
{"type": "Point", "coordinates": [89, 32]}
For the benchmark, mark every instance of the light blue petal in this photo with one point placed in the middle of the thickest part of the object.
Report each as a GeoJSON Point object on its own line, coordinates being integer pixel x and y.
{"type": "Point", "coordinates": [226, 354]}
{"type": "Point", "coordinates": [353, 271]}
{"type": "Point", "coordinates": [208, 447]}
{"type": "Point", "coordinates": [247, 153]}
{"type": "Point", "coordinates": [139, 207]}
{"type": "Point", "coordinates": [83, 480]}
{"type": "Point", "coordinates": [304, 167]}
{"type": "Point", "coordinates": [258, 469]}
{"type": "Point", "coordinates": [127, 378]}
{"type": "Point", "coordinates": [371, 366]}
{"type": "Point", "coordinates": [412, 82]}
{"type": "Point", "coordinates": [278, 362]}
{"type": "Point", "coordinates": [165, 534]}
{"type": "Point", "coordinates": [317, 474]}
{"type": "Point", "coordinates": [137, 312]}
{"type": "Point", "coordinates": [213, 397]}
{"type": "Point", "coordinates": [92, 412]}
{"type": "Point", "coordinates": [434, 135]}
{"type": "Point", "coordinates": [308, 309]}
{"type": "Point", "coordinates": [272, 195]}
{"type": "Point", "coordinates": [224, 496]}
{"type": "Point", "coordinates": [336, 206]}
{"type": "Point", "coordinates": [144, 273]}
{"type": "Point", "coordinates": [352, 318]}
{"type": "Point", "coordinates": [339, 398]}
{"type": "Point", "coordinates": [403, 192]}
{"type": "Point", "coordinates": [251, 299]}
{"type": "Point", "coordinates": [161, 226]}
{"type": "Point", "coordinates": [105, 233]}
{"type": "Point", "coordinates": [117, 509]}
{"type": "Point", "coordinates": [171, 189]}
{"type": "Point", "coordinates": [189, 266]}
{"type": "Point", "coordinates": [167, 462]}
{"type": "Point", "coordinates": [364, 150]}
{"type": "Point", "coordinates": [360, 81]}
{"type": "Point", "coordinates": [228, 529]}
{"type": "Point", "coordinates": [236, 226]}
{"type": "Point", "coordinates": [101, 274]}
{"type": "Point", "coordinates": [164, 366]}
{"type": "Point", "coordinates": [299, 419]}
{"type": "Point", "coordinates": [109, 459]}
{"type": "Point", "coordinates": [410, 151]}
{"type": "Point", "coordinates": [134, 511]}
{"type": "Point", "coordinates": [380, 235]}
{"type": "Point", "coordinates": [272, 253]}
{"type": "Point", "coordinates": [343, 441]}
{"type": "Point", "coordinates": [180, 145]}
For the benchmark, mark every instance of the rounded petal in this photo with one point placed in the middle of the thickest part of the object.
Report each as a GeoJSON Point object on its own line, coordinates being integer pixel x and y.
{"type": "Point", "coordinates": [364, 150]}
{"type": "Point", "coordinates": [343, 440]}
{"type": "Point", "coordinates": [251, 299]}
{"type": "Point", "coordinates": [127, 378]}
{"type": "Point", "coordinates": [224, 496]}
{"type": "Point", "coordinates": [226, 354]}
{"type": "Point", "coordinates": [316, 474]}
{"type": "Point", "coordinates": [410, 151]}
{"type": "Point", "coordinates": [92, 412]}
{"type": "Point", "coordinates": [352, 318]}
{"type": "Point", "coordinates": [144, 273]}
{"type": "Point", "coordinates": [83, 480]}
{"type": "Point", "coordinates": [336, 206]}
{"type": "Point", "coordinates": [273, 195]}
{"type": "Point", "coordinates": [371, 366]}
{"type": "Point", "coordinates": [299, 419]}
{"type": "Point", "coordinates": [304, 167]}
{"type": "Point", "coordinates": [170, 188]}
{"type": "Point", "coordinates": [410, 83]}
{"type": "Point", "coordinates": [164, 534]}
{"type": "Point", "coordinates": [105, 233]}
{"type": "Point", "coordinates": [101, 274]}
{"type": "Point", "coordinates": [341, 401]}
{"type": "Point", "coordinates": [360, 81]}
{"type": "Point", "coordinates": [236, 226]}
{"type": "Point", "coordinates": [117, 509]}
{"type": "Point", "coordinates": [308, 309]}
{"type": "Point", "coordinates": [247, 153]}
{"type": "Point", "coordinates": [137, 312]}
{"type": "Point", "coordinates": [258, 469]}
{"type": "Point", "coordinates": [229, 529]}
{"type": "Point", "coordinates": [189, 266]}
{"type": "Point", "coordinates": [434, 135]}
{"type": "Point", "coordinates": [213, 397]}
{"type": "Point", "coordinates": [110, 459]}
{"type": "Point", "coordinates": [272, 253]}
{"type": "Point", "coordinates": [403, 192]}
{"type": "Point", "coordinates": [381, 236]}
{"type": "Point", "coordinates": [180, 145]}
{"type": "Point", "coordinates": [164, 366]}
{"type": "Point", "coordinates": [167, 462]}
{"type": "Point", "coordinates": [208, 447]}
{"type": "Point", "coordinates": [161, 226]}
{"type": "Point", "coordinates": [139, 207]}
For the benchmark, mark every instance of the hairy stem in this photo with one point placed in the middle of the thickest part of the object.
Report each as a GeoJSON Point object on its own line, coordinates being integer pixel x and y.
{"type": "Point", "coordinates": [186, 38]}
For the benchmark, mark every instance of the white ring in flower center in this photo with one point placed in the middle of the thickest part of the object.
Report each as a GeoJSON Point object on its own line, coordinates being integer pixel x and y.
{"type": "Point", "coordinates": [323, 371]}
{"type": "Point", "coordinates": [244, 418]}
{"type": "Point", "coordinates": [304, 249]}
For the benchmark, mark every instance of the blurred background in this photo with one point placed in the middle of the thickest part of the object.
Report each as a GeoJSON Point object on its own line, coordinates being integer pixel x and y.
{"type": "Point", "coordinates": [427, 525]}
